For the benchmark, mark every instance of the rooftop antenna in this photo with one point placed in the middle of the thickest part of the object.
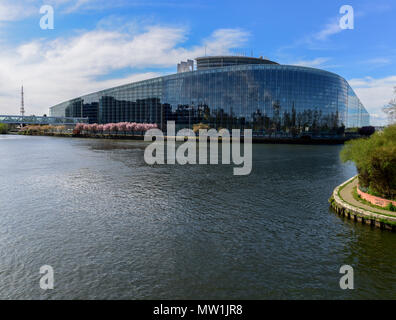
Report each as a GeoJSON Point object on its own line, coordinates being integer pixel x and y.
{"type": "Point", "coordinates": [22, 111]}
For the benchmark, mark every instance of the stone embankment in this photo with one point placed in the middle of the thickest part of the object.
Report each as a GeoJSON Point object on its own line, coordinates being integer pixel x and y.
{"type": "Point", "coordinates": [343, 202]}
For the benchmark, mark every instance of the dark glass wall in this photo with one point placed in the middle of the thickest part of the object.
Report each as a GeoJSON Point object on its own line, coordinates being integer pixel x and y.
{"type": "Point", "coordinates": [266, 98]}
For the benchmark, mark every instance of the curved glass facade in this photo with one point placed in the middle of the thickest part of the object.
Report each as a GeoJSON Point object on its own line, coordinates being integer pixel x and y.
{"type": "Point", "coordinates": [268, 98]}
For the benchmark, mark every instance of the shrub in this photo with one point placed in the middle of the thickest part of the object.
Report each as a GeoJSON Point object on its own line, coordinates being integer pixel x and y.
{"type": "Point", "coordinates": [3, 128]}
{"type": "Point", "coordinates": [375, 160]}
{"type": "Point", "coordinates": [391, 207]}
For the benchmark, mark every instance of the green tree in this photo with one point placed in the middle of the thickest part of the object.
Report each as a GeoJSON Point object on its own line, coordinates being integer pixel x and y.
{"type": "Point", "coordinates": [3, 128]}
{"type": "Point", "coordinates": [375, 160]}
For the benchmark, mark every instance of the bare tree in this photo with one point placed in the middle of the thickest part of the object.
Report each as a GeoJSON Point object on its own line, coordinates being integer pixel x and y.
{"type": "Point", "coordinates": [390, 109]}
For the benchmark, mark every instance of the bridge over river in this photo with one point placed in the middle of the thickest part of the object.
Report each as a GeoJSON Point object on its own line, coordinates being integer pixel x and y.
{"type": "Point", "coordinates": [41, 120]}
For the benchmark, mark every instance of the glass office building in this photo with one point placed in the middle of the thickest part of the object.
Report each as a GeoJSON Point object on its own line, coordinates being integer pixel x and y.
{"type": "Point", "coordinates": [230, 92]}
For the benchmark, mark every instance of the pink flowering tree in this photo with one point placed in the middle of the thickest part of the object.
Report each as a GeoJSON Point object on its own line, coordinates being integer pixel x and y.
{"type": "Point", "coordinates": [86, 128]}
{"type": "Point", "coordinates": [113, 127]}
{"type": "Point", "coordinates": [125, 127]}
{"type": "Point", "coordinates": [79, 126]}
{"type": "Point", "coordinates": [129, 127]}
{"type": "Point", "coordinates": [121, 127]}
{"type": "Point", "coordinates": [133, 127]}
{"type": "Point", "coordinates": [107, 127]}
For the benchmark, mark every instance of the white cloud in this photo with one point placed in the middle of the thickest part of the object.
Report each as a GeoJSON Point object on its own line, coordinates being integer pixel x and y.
{"type": "Point", "coordinates": [65, 68]}
{"type": "Point", "coordinates": [330, 29]}
{"type": "Point", "coordinates": [12, 11]}
{"type": "Point", "coordinates": [70, 6]}
{"type": "Point", "coordinates": [374, 94]}
{"type": "Point", "coordinates": [316, 40]}
{"type": "Point", "coordinates": [223, 39]}
{"type": "Point", "coordinates": [315, 63]}
{"type": "Point", "coordinates": [379, 61]}
{"type": "Point", "coordinates": [17, 10]}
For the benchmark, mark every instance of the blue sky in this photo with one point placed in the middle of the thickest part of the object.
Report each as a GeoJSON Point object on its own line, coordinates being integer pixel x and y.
{"type": "Point", "coordinates": [98, 44]}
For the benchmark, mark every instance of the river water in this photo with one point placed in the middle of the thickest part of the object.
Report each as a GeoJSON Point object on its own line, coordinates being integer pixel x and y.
{"type": "Point", "coordinates": [113, 227]}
